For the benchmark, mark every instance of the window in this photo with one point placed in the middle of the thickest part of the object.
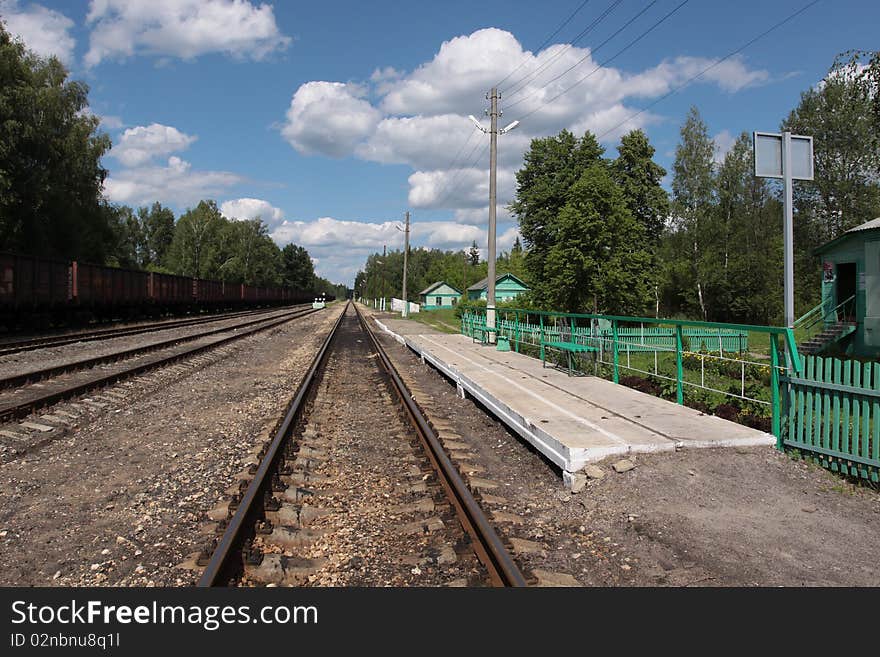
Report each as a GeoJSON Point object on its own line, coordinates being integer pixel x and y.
{"type": "Point", "coordinates": [454, 301]}
{"type": "Point", "coordinates": [439, 301]}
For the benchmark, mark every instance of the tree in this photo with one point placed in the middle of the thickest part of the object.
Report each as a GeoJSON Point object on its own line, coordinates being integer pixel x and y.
{"type": "Point", "coordinates": [51, 178]}
{"type": "Point", "coordinates": [194, 247]}
{"type": "Point", "coordinates": [246, 253]}
{"type": "Point", "coordinates": [474, 255]}
{"type": "Point", "coordinates": [598, 260]}
{"type": "Point", "coordinates": [748, 253]}
{"type": "Point", "coordinates": [842, 114]}
{"type": "Point", "coordinates": [129, 245]}
{"type": "Point", "coordinates": [639, 178]}
{"type": "Point", "coordinates": [297, 269]}
{"type": "Point", "coordinates": [551, 167]}
{"type": "Point", "coordinates": [693, 196]}
{"type": "Point", "coordinates": [157, 224]}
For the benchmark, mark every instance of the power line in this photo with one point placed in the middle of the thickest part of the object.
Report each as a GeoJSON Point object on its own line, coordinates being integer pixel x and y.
{"type": "Point", "coordinates": [452, 185]}
{"type": "Point", "coordinates": [516, 86]}
{"type": "Point", "coordinates": [546, 41]}
{"type": "Point", "coordinates": [602, 63]}
{"type": "Point", "coordinates": [710, 67]}
{"type": "Point", "coordinates": [590, 53]}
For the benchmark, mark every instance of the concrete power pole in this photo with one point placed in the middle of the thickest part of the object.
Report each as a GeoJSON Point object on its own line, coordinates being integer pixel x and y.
{"type": "Point", "coordinates": [493, 131]}
{"type": "Point", "coordinates": [493, 166]}
{"type": "Point", "coordinates": [384, 260]}
{"type": "Point", "coordinates": [405, 256]}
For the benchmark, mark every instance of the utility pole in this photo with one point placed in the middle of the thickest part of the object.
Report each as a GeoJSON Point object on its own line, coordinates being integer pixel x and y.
{"type": "Point", "coordinates": [405, 255]}
{"type": "Point", "coordinates": [384, 259]}
{"type": "Point", "coordinates": [493, 171]}
{"type": "Point", "coordinates": [493, 131]}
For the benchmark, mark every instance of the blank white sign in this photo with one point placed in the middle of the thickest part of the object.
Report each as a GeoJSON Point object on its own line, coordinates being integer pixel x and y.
{"type": "Point", "coordinates": [768, 156]}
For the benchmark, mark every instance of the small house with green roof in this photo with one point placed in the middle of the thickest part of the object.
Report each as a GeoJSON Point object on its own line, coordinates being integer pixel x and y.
{"type": "Point", "coordinates": [439, 295]}
{"type": "Point", "coordinates": [507, 287]}
{"type": "Point", "coordinates": [850, 310]}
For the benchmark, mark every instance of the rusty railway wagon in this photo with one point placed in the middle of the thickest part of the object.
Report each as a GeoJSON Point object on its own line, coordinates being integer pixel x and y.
{"type": "Point", "coordinates": [41, 292]}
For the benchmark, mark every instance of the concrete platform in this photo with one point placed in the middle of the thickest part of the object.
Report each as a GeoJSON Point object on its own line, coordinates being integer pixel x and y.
{"type": "Point", "coordinates": [571, 420]}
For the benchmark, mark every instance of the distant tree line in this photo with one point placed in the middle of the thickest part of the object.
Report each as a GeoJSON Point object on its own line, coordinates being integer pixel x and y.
{"type": "Point", "coordinates": [383, 275]}
{"type": "Point", "coordinates": [52, 204]}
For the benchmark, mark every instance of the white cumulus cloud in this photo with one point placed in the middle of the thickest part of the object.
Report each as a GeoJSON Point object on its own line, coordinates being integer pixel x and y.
{"type": "Point", "coordinates": [175, 184]}
{"type": "Point", "coordinates": [329, 118]}
{"type": "Point", "coordinates": [141, 144]}
{"type": "Point", "coordinates": [419, 118]}
{"type": "Point", "coordinates": [181, 28]}
{"type": "Point", "coordinates": [252, 208]}
{"type": "Point", "coordinates": [45, 31]}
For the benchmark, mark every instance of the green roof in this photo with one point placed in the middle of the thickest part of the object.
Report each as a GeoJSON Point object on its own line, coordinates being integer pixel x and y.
{"type": "Point", "coordinates": [484, 284]}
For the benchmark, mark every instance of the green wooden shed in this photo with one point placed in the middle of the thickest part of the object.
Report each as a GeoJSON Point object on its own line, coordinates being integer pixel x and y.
{"type": "Point", "coordinates": [507, 287]}
{"type": "Point", "coordinates": [439, 295]}
{"type": "Point", "coordinates": [850, 309]}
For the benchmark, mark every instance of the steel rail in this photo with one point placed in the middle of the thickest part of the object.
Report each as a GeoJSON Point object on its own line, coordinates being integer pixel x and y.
{"type": "Point", "coordinates": [55, 370]}
{"type": "Point", "coordinates": [20, 409]}
{"type": "Point", "coordinates": [486, 542]}
{"type": "Point", "coordinates": [60, 340]}
{"type": "Point", "coordinates": [222, 566]}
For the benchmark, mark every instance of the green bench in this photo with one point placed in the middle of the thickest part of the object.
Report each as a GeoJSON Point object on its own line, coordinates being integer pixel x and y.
{"type": "Point", "coordinates": [568, 347]}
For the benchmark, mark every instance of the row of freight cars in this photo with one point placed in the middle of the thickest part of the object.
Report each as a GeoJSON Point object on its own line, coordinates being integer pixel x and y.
{"type": "Point", "coordinates": [43, 291]}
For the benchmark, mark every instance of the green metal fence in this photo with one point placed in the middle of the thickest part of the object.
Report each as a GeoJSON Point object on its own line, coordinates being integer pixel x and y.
{"type": "Point", "coordinates": [688, 355]}
{"type": "Point", "coordinates": [833, 413]}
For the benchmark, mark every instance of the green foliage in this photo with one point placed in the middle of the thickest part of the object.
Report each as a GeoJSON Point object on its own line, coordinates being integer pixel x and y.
{"type": "Point", "coordinates": [585, 221]}
{"type": "Point", "coordinates": [195, 247]}
{"type": "Point", "coordinates": [598, 259]}
{"type": "Point", "coordinates": [552, 165]}
{"type": "Point", "coordinates": [298, 270]}
{"type": "Point", "coordinates": [50, 150]}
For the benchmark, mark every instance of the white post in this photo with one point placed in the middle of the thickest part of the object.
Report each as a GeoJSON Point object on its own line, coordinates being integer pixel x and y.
{"type": "Point", "coordinates": [788, 230]}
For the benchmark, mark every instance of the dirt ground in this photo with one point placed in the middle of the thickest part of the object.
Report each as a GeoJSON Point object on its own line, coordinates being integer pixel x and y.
{"type": "Point", "coordinates": [119, 497]}
{"type": "Point", "coordinates": [704, 517]}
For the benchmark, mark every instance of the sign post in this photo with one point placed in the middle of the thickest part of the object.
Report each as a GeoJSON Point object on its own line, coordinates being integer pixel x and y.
{"type": "Point", "coordinates": [789, 157]}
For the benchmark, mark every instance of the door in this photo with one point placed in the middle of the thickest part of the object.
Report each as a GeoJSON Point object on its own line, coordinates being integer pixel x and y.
{"type": "Point", "coordinates": [846, 283]}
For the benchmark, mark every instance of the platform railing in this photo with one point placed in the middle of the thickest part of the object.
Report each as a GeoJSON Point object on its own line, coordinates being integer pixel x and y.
{"type": "Point", "coordinates": [701, 363]}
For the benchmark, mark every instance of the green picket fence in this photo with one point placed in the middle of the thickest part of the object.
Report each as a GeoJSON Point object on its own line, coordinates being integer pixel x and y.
{"type": "Point", "coordinates": [833, 414]}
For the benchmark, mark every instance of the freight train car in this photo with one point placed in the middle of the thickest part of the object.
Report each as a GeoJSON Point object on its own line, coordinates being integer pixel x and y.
{"type": "Point", "coordinates": [33, 287]}
{"type": "Point", "coordinates": [105, 292]}
{"type": "Point", "coordinates": [41, 292]}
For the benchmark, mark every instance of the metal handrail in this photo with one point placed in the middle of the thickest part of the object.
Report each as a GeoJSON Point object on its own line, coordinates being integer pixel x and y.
{"type": "Point", "coordinates": [801, 323]}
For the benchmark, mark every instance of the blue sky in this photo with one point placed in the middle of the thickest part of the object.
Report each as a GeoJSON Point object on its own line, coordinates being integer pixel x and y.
{"type": "Point", "coordinates": [330, 120]}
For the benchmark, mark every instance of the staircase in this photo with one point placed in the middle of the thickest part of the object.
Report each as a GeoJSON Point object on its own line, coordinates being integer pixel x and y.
{"type": "Point", "coordinates": [829, 335]}
{"type": "Point", "coordinates": [824, 327]}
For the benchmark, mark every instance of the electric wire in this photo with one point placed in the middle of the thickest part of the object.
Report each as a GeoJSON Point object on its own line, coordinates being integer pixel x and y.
{"type": "Point", "coordinates": [545, 42]}
{"type": "Point", "coordinates": [600, 64]}
{"type": "Point", "coordinates": [528, 77]}
{"type": "Point", "coordinates": [678, 88]}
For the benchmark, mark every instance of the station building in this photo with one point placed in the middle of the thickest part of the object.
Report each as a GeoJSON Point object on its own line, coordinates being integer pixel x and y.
{"type": "Point", "coordinates": [850, 309]}
{"type": "Point", "coordinates": [439, 295]}
{"type": "Point", "coordinates": [507, 287]}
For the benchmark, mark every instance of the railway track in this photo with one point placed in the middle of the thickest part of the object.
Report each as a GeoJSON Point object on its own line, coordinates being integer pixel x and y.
{"type": "Point", "coordinates": [354, 488]}
{"type": "Point", "coordinates": [59, 340]}
{"type": "Point", "coordinates": [40, 388]}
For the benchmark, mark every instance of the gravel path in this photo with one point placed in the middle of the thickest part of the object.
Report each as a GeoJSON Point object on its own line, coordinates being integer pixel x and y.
{"type": "Point", "coordinates": [118, 498]}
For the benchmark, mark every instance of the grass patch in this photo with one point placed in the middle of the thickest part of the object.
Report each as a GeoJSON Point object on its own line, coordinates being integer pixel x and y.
{"type": "Point", "coordinates": [442, 319]}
